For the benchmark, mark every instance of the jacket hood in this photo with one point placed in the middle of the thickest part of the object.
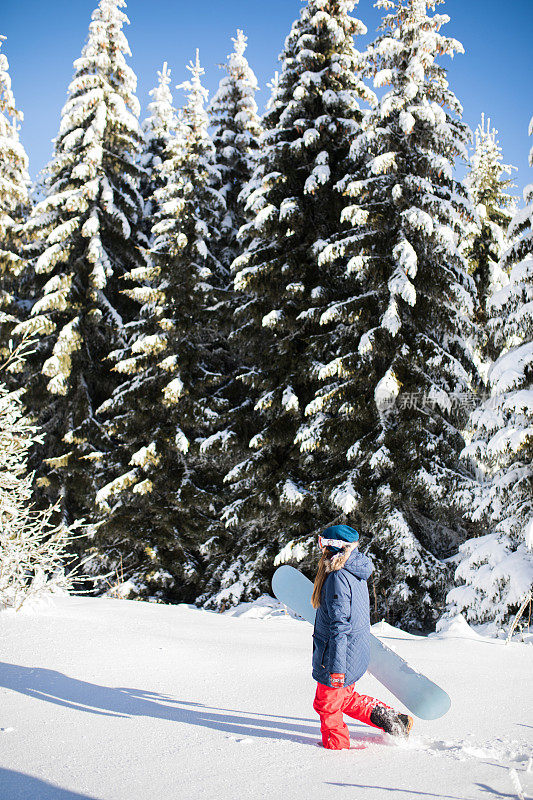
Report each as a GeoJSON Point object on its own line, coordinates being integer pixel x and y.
{"type": "Point", "coordinates": [351, 560]}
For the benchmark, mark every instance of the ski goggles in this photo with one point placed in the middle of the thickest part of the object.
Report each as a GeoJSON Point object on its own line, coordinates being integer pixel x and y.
{"type": "Point", "coordinates": [340, 543]}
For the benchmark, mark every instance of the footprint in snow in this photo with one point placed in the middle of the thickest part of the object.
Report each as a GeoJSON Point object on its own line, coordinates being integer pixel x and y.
{"type": "Point", "coordinates": [462, 749]}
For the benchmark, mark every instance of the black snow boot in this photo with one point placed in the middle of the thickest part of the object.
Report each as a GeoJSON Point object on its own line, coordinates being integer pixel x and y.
{"type": "Point", "coordinates": [391, 722]}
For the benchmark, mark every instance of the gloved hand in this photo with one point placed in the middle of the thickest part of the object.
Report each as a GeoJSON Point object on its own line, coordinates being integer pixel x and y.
{"type": "Point", "coordinates": [337, 680]}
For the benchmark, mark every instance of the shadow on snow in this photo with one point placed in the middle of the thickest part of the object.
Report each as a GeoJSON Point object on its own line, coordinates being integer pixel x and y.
{"type": "Point", "coordinates": [417, 793]}
{"type": "Point", "coordinates": [55, 687]}
{"type": "Point", "coordinates": [18, 786]}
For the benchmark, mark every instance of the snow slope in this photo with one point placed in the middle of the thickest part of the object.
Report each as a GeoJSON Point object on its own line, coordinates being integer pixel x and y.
{"type": "Point", "coordinates": [107, 699]}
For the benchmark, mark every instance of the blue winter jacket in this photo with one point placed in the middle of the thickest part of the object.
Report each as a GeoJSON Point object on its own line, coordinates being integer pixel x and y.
{"type": "Point", "coordinates": [341, 639]}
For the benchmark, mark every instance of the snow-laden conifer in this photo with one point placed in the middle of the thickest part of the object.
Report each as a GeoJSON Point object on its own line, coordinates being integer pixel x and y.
{"type": "Point", "coordinates": [398, 367]}
{"type": "Point", "coordinates": [14, 206]}
{"type": "Point", "coordinates": [292, 205]}
{"type": "Point", "coordinates": [158, 488]}
{"type": "Point", "coordinates": [159, 128]}
{"type": "Point", "coordinates": [85, 235]}
{"type": "Point", "coordinates": [486, 240]}
{"type": "Point", "coordinates": [495, 571]}
{"type": "Point", "coordinates": [236, 129]}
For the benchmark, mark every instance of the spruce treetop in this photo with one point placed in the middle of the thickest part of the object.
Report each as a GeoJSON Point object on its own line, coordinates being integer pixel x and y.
{"type": "Point", "coordinates": [159, 129]}
{"type": "Point", "coordinates": [195, 112]}
{"type": "Point", "coordinates": [189, 170]}
{"type": "Point", "coordinates": [234, 117]}
{"type": "Point", "coordinates": [85, 230]}
{"type": "Point", "coordinates": [236, 130]}
{"type": "Point", "coordinates": [103, 91]}
{"type": "Point", "coordinates": [14, 177]}
{"type": "Point", "coordinates": [236, 92]}
{"type": "Point", "coordinates": [486, 236]}
{"type": "Point", "coordinates": [409, 145]}
{"type": "Point", "coordinates": [487, 169]}
{"type": "Point", "coordinates": [319, 56]}
{"type": "Point", "coordinates": [105, 50]}
{"type": "Point", "coordinates": [312, 113]}
{"type": "Point", "coordinates": [514, 325]}
{"type": "Point", "coordinates": [7, 98]}
{"type": "Point", "coordinates": [162, 119]}
{"type": "Point", "coordinates": [404, 58]}
{"type": "Point", "coordinates": [511, 305]}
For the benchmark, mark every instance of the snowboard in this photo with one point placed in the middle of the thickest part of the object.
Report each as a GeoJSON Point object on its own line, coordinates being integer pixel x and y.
{"type": "Point", "coordinates": [420, 695]}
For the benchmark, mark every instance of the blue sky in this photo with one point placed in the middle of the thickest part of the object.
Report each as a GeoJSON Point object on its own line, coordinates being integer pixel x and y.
{"type": "Point", "coordinates": [44, 38]}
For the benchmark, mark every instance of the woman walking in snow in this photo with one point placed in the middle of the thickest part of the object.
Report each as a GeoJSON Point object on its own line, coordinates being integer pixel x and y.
{"type": "Point", "coordinates": [341, 641]}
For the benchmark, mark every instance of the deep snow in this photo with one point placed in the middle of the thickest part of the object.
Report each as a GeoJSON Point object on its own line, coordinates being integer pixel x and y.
{"type": "Point", "coordinates": [107, 699]}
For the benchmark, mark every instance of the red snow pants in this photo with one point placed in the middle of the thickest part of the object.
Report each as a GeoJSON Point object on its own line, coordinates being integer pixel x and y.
{"type": "Point", "coordinates": [330, 704]}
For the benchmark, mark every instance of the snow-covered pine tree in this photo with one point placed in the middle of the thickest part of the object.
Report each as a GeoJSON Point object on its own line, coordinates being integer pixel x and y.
{"type": "Point", "coordinates": [291, 205]}
{"type": "Point", "coordinates": [160, 487]}
{"type": "Point", "coordinates": [396, 368]}
{"type": "Point", "coordinates": [495, 571]}
{"type": "Point", "coordinates": [14, 207]}
{"type": "Point", "coordinates": [159, 128]}
{"type": "Point", "coordinates": [85, 236]}
{"type": "Point", "coordinates": [486, 238]}
{"type": "Point", "coordinates": [236, 129]}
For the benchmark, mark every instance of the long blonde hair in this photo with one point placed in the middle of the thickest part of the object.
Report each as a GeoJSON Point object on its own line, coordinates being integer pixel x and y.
{"type": "Point", "coordinates": [319, 580]}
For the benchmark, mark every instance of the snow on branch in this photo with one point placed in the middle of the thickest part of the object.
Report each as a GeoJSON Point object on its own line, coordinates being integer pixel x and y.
{"type": "Point", "coordinates": [33, 550]}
